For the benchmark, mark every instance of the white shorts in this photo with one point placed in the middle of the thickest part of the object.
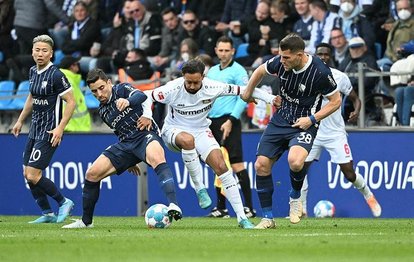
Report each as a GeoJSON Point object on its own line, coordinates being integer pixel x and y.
{"type": "Point", "coordinates": [337, 148]}
{"type": "Point", "coordinates": [204, 140]}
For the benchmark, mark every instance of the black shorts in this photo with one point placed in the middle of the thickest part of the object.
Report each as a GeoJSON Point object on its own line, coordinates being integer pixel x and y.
{"type": "Point", "coordinates": [276, 139]}
{"type": "Point", "coordinates": [233, 142]}
{"type": "Point", "coordinates": [38, 153]}
{"type": "Point", "coordinates": [128, 153]}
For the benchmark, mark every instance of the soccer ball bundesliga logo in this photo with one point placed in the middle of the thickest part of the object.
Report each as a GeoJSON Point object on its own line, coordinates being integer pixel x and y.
{"type": "Point", "coordinates": [157, 216]}
{"type": "Point", "coordinates": [324, 208]}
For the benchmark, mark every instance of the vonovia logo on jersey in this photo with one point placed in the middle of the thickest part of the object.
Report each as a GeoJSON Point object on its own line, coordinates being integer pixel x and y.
{"type": "Point", "coordinates": [44, 84]}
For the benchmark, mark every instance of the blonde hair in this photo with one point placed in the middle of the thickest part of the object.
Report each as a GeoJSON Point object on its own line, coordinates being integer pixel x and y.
{"type": "Point", "coordinates": [44, 39]}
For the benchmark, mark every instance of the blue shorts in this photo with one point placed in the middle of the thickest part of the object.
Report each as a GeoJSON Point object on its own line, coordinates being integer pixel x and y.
{"type": "Point", "coordinates": [276, 140]}
{"type": "Point", "coordinates": [38, 153]}
{"type": "Point", "coordinates": [129, 152]}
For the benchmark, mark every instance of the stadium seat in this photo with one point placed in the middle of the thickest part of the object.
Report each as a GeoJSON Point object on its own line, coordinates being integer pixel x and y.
{"type": "Point", "coordinates": [242, 50]}
{"type": "Point", "coordinates": [21, 96]}
{"type": "Point", "coordinates": [91, 101]}
{"type": "Point", "coordinates": [6, 94]}
{"type": "Point", "coordinates": [57, 56]}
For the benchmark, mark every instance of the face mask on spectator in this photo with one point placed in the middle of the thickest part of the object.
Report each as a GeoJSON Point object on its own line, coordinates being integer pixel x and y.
{"type": "Point", "coordinates": [185, 57]}
{"type": "Point", "coordinates": [404, 14]}
{"type": "Point", "coordinates": [347, 7]}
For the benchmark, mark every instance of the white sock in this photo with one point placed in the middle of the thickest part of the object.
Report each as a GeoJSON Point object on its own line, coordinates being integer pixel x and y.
{"type": "Point", "coordinates": [360, 184]}
{"type": "Point", "coordinates": [304, 194]}
{"type": "Point", "coordinates": [192, 162]}
{"type": "Point", "coordinates": [232, 193]}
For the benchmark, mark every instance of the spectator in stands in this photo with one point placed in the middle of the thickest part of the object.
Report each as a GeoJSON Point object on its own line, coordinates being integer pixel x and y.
{"type": "Point", "coordinates": [106, 12]}
{"type": "Point", "coordinates": [339, 42]}
{"type": "Point", "coordinates": [210, 11]}
{"type": "Point", "coordinates": [362, 4]}
{"type": "Point", "coordinates": [141, 29]}
{"type": "Point", "coordinates": [202, 35]}
{"type": "Point", "coordinates": [359, 54]}
{"type": "Point", "coordinates": [188, 50]}
{"type": "Point", "coordinates": [404, 93]}
{"type": "Point", "coordinates": [170, 41]}
{"type": "Point", "coordinates": [235, 11]}
{"type": "Point", "coordinates": [30, 21]}
{"type": "Point", "coordinates": [401, 33]}
{"type": "Point", "coordinates": [380, 16]}
{"type": "Point", "coordinates": [81, 119]}
{"type": "Point", "coordinates": [136, 68]}
{"type": "Point", "coordinates": [257, 28]}
{"type": "Point", "coordinates": [353, 23]}
{"type": "Point", "coordinates": [323, 24]}
{"type": "Point", "coordinates": [303, 25]}
{"type": "Point", "coordinates": [7, 44]}
{"type": "Point", "coordinates": [404, 96]}
{"type": "Point", "coordinates": [83, 33]}
{"type": "Point", "coordinates": [111, 46]}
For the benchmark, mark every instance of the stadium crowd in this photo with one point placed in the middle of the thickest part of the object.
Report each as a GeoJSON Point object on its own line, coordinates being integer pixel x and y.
{"type": "Point", "coordinates": [134, 40]}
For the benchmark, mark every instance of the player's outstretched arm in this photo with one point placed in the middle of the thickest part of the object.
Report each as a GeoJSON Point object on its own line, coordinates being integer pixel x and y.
{"type": "Point", "coordinates": [254, 80]}
{"type": "Point", "coordinates": [259, 94]}
{"type": "Point", "coordinates": [28, 106]}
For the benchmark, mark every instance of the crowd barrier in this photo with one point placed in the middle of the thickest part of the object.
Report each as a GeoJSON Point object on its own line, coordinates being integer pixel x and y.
{"type": "Point", "coordinates": [383, 158]}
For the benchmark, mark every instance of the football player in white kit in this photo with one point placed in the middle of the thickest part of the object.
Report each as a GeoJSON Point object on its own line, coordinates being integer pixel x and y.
{"type": "Point", "coordinates": [333, 137]}
{"type": "Point", "coordinates": [186, 129]}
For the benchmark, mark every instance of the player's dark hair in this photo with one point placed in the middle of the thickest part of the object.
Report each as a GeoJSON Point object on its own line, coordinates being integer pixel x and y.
{"type": "Point", "coordinates": [94, 75]}
{"type": "Point", "coordinates": [325, 45]}
{"type": "Point", "coordinates": [292, 42]}
{"type": "Point", "coordinates": [224, 39]}
{"type": "Point", "coordinates": [193, 66]}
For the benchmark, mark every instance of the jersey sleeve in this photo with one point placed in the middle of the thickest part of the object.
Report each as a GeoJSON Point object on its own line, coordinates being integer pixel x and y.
{"type": "Point", "coordinates": [343, 82]}
{"type": "Point", "coordinates": [61, 83]}
{"type": "Point", "coordinates": [272, 65]}
{"type": "Point", "coordinates": [164, 94]}
{"type": "Point", "coordinates": [327, 83]}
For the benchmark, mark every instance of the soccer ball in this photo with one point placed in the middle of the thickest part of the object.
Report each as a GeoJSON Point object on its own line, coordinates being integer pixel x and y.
{"type": "Point", "coordinates": [157, 216]}
{"type": "Point", "coordinates": [324, 208]}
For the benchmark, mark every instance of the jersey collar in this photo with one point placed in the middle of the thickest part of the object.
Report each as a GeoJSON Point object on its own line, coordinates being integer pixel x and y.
{"type": "Point", "coordinates": [305, 67]}
{"type": "Point", "coordinates": [45, 68]}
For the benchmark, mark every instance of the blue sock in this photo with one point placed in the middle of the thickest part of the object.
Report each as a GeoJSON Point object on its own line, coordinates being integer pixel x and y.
{"type": "Point", "coordinates": [41, 198]}
{"type": "Point", "coordinates": [90, 196]}
{"type": "Point", "coordinates": [166, 182]}
{"type": "Point", "coordinates": [48, 187]}
{"type": "Point", "coordinates": [295, 194]}
{"type": "Point", "coordinates": [265, 188]}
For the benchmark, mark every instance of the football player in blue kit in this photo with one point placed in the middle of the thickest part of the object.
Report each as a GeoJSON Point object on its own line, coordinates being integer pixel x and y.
{"type": "Point", "coordinates": [124, 110]}
{"type": "Point", "coordinates": [48, 89]}
{"type": "Point", "coordinates": [304, 81]}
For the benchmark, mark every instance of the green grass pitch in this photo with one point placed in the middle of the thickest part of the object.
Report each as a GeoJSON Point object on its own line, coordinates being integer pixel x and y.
{"type": "Point", "coordinates": [208, 239]}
